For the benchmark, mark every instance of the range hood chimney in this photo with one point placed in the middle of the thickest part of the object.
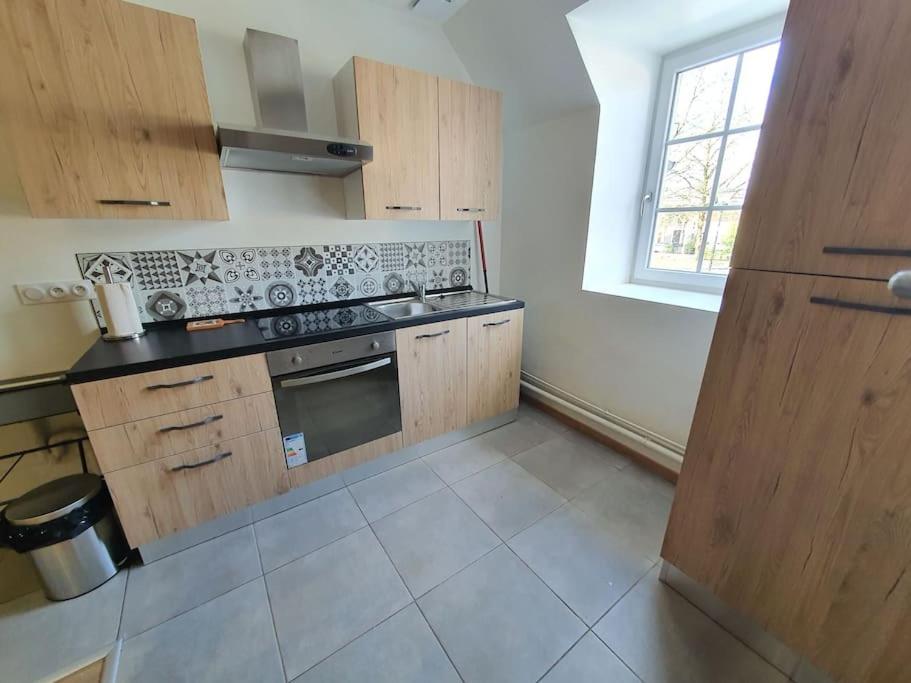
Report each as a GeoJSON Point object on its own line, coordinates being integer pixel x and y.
{"type": "Point", "coordinates": [281, 141]}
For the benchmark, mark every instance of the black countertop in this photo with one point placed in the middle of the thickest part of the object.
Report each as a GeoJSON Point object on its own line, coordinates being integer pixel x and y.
{"type": "Point", "coordinates": [172, 346]}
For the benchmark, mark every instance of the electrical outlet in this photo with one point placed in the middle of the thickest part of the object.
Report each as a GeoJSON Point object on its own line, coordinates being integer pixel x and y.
{"type": "Point", "coordinates": [57, 292]}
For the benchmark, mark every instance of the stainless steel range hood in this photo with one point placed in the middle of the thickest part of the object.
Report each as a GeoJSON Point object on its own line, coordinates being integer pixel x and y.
{"type": "Point", "coordinates": [281, 141]}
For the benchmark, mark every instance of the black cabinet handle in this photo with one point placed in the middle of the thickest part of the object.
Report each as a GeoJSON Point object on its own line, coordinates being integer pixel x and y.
{"type": "Point", "coordinates": [502, 322]}
{"type": "Point", "coordinates": [202, 423]}
{"type": "Point", "coordinates": [134, 202]}
{"type": "Point", "coordinates": [397, 207]}
{"type": "Point", "coordinates": [186, 383]}
{"type": "Point", "coordinates": [859, 306]}
{"type": "Point", "coordinates": [471, 210]}
{"type": "Point", "coordinates": [867, 251]}
{"type": "Point", "coordinates": [210, 461]}
{"type": "Point", "coordinates": [431, 336]}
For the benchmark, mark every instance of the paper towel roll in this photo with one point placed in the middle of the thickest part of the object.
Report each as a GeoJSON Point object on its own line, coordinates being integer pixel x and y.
{"type": "Point", "coordinates": [119, 309]}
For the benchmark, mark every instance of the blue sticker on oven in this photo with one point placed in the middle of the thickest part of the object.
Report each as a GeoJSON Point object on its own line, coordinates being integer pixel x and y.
{"type": "Point", "coordinates": [295, 449]}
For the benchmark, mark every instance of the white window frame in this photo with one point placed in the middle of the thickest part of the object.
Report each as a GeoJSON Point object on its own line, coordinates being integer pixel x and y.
{"type": "Point", "coordinates": [749, 38]}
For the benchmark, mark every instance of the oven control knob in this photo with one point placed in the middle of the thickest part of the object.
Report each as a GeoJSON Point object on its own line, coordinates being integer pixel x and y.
{"type": "Point", "coordinates": [375, 345]}
{"type": "Point", "coordinates": [296, 360]}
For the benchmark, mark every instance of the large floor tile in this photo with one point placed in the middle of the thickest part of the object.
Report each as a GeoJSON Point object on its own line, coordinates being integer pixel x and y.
{"type": "Point", "coordinates": [631, 507]}
{"type": "Point", "coordinates": [39, 638]}
{"type": "Point", "coordinates": [499, 622]}
{"type": "Point", "coordinates": [547, 420]}
{"type": "Point", "coordinates": [402, 649]}
{"type": "Point", "coordinates": [590, 661]}
{"type": "Point", "coordinates": [507, 497]}
{"type": "Point", "coordinates": [583, 564]}
{"type": "Point", "coordinates": [664, 639]}
{"type": "Point", "coordinates": [518, 436]}
{"type": "Point", "coordinates": [464, 459]}
{"type": "Point", "coordinates": [433, 539]}
{"type": "Point", "coordinates": [570, 466]}
{"type": "Point", "coordinates": [387, 492]}
{"type": "Point", "coordinates": [305, 528]}
{"type": "Point", "coordinates": [178, 583]}
{"type": "Point", "coordinates": [230, 638]}
{"type": "Point", "coordinates": [328, 598]}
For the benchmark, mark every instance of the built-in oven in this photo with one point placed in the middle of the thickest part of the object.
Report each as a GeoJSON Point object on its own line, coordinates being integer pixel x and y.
{"type": "Point", "coordinates": [333, 396]}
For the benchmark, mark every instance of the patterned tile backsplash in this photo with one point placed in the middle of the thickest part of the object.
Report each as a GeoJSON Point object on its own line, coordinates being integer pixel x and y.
{"type": "Point", "coordinates": [169, 285]}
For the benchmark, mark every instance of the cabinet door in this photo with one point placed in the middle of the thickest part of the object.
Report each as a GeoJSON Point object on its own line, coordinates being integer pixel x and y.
{"type": "Point", "coordinates": [494, 364]}
{"type": "Point", "coordinates": [471, 122]}
{"type": "Point", "coordinates": [833, 171]}
{"type": "Point", "coordinates": [432, 381]}
{"type": "Point", "coordinates": [794, 502]}
{"type": "Point", "coordinates": [105, 101]}
{"type": "Point", "coordinates": [397, 112]}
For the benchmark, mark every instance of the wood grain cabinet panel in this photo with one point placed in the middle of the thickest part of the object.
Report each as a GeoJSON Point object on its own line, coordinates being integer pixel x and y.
{"type": "Point", "coordinates": [432, 379]}
{"type": "Point", "coordinates": [794, 501]}
{"type": "Point", "coordinates": [471, 142]}
{"type": "Point", "coordinates": [137, 442]}
{"type": "Point", "coordinates": [397, 111]}
{"type": "Point", "coordinates": [110, 402]}
{"type": "Point", "coordinates": [833, 169]}
{"type": "Point", "coordinates": [494, 364]}
{"type": "Point", "coordinates": [106, 100]}
{"type": "Point", "coordinates": [157, 499]}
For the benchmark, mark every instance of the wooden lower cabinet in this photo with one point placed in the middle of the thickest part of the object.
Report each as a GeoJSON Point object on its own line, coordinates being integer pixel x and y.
{"type": "Point", "coordinates": [432, 379]}
{"type": "Point", "coordinates": [339, 462]}
{"type": "Point", "coordinates": [181, 491]}
{"type": "Point", "coordinates": [494, 364]}
{"type": "Point", "coordinates": [794, 502]}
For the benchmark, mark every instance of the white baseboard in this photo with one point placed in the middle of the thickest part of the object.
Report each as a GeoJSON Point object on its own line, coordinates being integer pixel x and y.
{"type": "Point", "coordinates": [655, 447]}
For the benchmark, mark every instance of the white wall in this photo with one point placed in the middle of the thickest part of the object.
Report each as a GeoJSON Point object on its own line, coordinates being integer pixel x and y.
{"type": "Point", "coordinates": [266, 209]}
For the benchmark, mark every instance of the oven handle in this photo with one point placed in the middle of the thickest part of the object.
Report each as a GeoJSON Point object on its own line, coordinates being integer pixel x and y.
{"type": "Point", "coordinates": [338, 374]}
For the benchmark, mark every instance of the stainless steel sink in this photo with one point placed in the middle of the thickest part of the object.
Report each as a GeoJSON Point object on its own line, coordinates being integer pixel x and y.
{"type": "Point", "coordinates": [404, 309]}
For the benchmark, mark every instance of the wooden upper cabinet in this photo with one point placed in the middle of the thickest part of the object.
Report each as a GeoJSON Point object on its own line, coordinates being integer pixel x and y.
{"type": "Point", "coordinates": [494, 364]}
{"type": "Point", "coordinates": [794, 502]}
{"type": "Point", "coordinates": [432, 381]}
{"type": "Point", "coordinates": [396, 110]}
{"type": "Point", "coordinates": [105, 101]}
{"type": "Point", "coordinates": [833, 170]}
{"type": "Point", "coordinates": [471, 142]}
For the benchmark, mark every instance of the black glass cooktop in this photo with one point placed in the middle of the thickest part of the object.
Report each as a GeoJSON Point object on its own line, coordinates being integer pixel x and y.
{"type": "Point", "coordinates": [315, 322]}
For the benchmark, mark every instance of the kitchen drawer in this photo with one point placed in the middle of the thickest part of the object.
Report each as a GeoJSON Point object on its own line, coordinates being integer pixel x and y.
{"type": "Point", "coordinates": [157, 498]}
{"type": "Point", "coordinates": [115, 401]}
{"type": "Point", "coordinates": [137, 442]}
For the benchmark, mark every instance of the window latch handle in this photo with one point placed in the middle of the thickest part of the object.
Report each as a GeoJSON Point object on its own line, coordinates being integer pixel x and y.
{"type": "Point", "coordinates": [647, 197]}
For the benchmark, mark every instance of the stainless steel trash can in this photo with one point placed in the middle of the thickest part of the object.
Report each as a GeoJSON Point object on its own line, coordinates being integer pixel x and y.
{"type": "Point", "coordinates": [67, 527]}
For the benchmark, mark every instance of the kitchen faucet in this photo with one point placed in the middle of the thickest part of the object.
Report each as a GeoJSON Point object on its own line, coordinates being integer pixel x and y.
{"type": "Point", "coordinates": [420, 288]}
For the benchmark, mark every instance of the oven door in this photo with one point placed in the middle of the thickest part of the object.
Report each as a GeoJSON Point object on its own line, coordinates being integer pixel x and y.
{"type": "Point", "coordinates": [331, 409]}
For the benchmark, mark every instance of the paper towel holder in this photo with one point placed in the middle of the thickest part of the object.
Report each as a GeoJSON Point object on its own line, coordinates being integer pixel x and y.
{"type": "Point", "coordinates": [110, 336]}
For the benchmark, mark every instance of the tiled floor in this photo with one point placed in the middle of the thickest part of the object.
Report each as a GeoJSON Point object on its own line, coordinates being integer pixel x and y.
{"type": "Point", "coordinates": [529, 553]}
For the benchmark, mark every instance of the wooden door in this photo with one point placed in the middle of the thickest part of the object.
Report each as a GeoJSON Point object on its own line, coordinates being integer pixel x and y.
{"type": "Point", "coordinates": [105, 101]}
{"type": "Point", "coordinates": [794, 502]}
{"type": "Point", "coordinates": [494, 364]}
{"type": "Point", "coordinates": [397, 112]}
{"type": "Point", "coordinates": [432, 379]}
{"type": "Point", "coordinates": [833, 170]}
{"type": "Point", "coordinates": [471, 142]}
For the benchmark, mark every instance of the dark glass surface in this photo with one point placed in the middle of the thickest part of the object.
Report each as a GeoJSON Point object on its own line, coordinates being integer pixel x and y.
{"type": "Point", "coordinates": [316, 322]}
{"type": "Point", "coordinates": [339, 414]}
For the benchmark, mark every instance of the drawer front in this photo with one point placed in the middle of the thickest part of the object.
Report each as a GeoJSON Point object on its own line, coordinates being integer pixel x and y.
{"type": "Point", "coordinates": [179, 492]}
{"type": "Point", "coordinates": [110, 402]}
{"type": "Point", "coordinates": [138, 442]}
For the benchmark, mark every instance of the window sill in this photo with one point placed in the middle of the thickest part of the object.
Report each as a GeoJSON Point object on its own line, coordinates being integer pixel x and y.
{"type": "Point", "coordinates": [680, 298]}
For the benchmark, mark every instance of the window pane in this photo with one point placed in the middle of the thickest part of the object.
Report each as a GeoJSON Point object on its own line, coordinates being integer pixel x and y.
{"type": "Point", "coordinates": [677, 240]}
{"type": "Point", "coordinates": [720, 242]}
{"type": "Point", "coordinates": [736, 168]}
{"type": "Point", "coordinates": [689, 172]}
{"type": "Point", "coordinates": [753, 86]}
{"type": "Point", "coordinates": [701, 99]}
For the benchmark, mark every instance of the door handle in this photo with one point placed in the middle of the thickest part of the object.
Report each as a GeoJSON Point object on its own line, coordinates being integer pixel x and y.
{"type": "Point", "coordinates": [396, 207]}
{"type": "Point", "coordinates": [210, 461]}
{"type": "Point", "coordinates": [134, 202]}
{"type": "Point", "coordinates": [647, 197]}
{"type": "Point", "coordinates": [202, 423]}
{"type": "Point", "coordinates": [337, 374]}
{"type": "Point", "coordinates": [431, 336]}
{"type": "Point", "coordinates": [502, 322]}
{"type": "Point", "coordinates": [471, 210]}
{"type": "Point", "coordinates": [185, 383]}
{"type": "Point", "coordinates": [900, 284]}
